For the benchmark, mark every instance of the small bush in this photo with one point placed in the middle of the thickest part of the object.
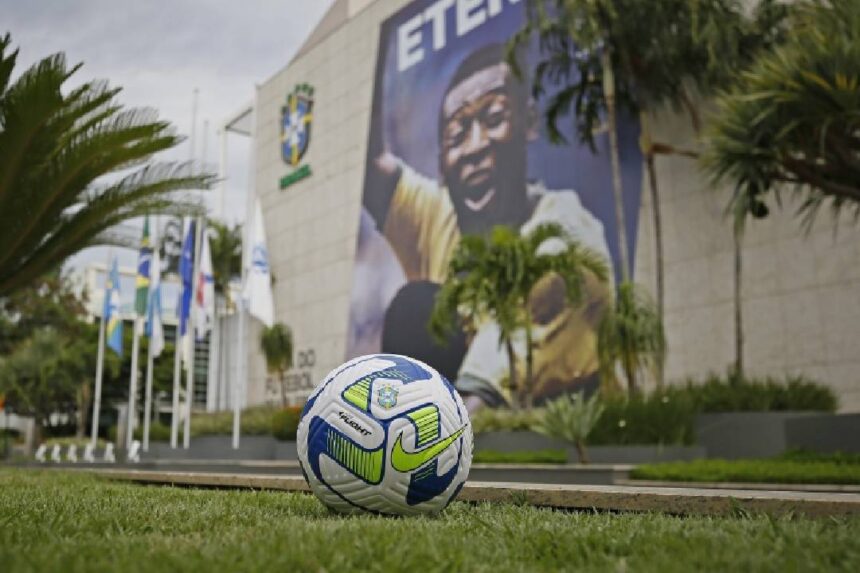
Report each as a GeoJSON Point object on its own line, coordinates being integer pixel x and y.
{"type": "Point", "coordinates": [285, 423]}
{"type": "Point", "coordinates": [535, 457]}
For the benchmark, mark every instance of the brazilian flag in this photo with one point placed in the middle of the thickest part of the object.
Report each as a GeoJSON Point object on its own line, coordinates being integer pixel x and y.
{"type": "Point", "coordinates": [144, 260]}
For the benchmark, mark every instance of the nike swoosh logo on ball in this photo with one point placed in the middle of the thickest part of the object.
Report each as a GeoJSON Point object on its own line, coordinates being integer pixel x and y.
{"type": "Point", "coordinates": [404, 461]}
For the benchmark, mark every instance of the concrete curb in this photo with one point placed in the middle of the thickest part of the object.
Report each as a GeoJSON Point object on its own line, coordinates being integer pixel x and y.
{"type": "Point", "coordinates": [804, 487]}
{"type": "Point", "coordinates": [677, 501]}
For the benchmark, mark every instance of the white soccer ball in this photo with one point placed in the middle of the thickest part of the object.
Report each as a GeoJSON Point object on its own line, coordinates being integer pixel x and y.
{"type": "Point", "coordinates": [387, 434]}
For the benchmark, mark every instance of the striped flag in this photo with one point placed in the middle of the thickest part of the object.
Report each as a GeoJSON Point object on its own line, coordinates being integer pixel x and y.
{"type": "Point", "coordinates": [111, 310]}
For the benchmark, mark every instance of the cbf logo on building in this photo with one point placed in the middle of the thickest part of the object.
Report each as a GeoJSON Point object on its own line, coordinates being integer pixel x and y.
{"type": "Point", "coordinates": [296, 121]}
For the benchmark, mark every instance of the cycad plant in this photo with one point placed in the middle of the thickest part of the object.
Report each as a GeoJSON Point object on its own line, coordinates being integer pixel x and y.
{"type": "Point", "coordinates": [276, 341]}
{"type": "Point", "coordinates": [630, 339]}
{"type": "Point", "coordinates": [491, 277]}
{"type": "Point", "coordinates": [793, 119]}
{"type": "Point", "coordinates": [571, 417]}
{"type": "Point", "coordinates": [73, 163]}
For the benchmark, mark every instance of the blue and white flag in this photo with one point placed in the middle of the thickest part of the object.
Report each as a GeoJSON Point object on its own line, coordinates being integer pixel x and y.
{"type": "Point", "coordinates": [113, 321]}
{"type": "Point", "coordinates": [186, 272]}
{"type": "Point", "coordinates": [204, 297]}
{"type": "Point", "coordinates": [258, 283]}
{"type": "Point", "coordinates": [154, 325]}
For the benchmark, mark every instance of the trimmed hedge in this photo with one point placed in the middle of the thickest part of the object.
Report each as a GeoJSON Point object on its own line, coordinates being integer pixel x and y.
{"type": "Point", "coordinates": [158, 432]}
{"type": "Point", "coordinates": [493, 420]}
{"type": "Point", "coordinates": [806, 469]}
{"type": "Point", "coordinates": [734, 394]}
{"type": "Point", "coordinates": [668, 416]}
{"type": "Point", "coordinates": [531, 457]}
{"type": "Point", "coordinates": [255, 421]}
{"type": "Point", "coordinates": [664, 418]}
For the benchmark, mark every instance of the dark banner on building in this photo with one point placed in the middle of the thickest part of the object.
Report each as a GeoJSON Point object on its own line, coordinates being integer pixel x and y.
{"type": "Point", "coordinates": [456, 146]}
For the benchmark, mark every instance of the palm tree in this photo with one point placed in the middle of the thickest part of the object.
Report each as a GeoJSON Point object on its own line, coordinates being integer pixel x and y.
{"type": "Point", "coordinates": [792, 122]}
{"type": "Point", "coordinates": [276, 342]}
{"type": "Point", "coordinates": [491, 277]}
{"type": "Point", "coordinates": [637, 57]}
{"type": "Point", "coordinates": [226, 246]}
{"type": "Point", "coordinates": [793, 119]}
{"type": "Point", "coordinates": [55, 143]}
{"type": "Point", "coordinates": [630, 337]}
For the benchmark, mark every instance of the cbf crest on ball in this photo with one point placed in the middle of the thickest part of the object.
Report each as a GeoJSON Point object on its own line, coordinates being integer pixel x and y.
{"type": "Point", "coordinates": [387, 434]}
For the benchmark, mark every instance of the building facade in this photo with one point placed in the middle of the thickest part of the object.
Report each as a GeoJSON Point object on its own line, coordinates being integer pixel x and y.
{"type": "Point", "coordinates": [316, 137]}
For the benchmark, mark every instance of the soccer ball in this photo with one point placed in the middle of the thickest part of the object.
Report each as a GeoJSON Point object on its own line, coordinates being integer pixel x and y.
{"type": "Point", "coordinates": [386, 434]}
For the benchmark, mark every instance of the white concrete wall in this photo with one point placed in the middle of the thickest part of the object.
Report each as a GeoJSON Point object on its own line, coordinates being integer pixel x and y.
{"type": "Point", "coordinates": [801, 293]}
{"type": "Point", "coordinates": [312, 225]}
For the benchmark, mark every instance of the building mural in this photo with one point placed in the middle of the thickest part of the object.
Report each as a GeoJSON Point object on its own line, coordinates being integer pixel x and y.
{"type": "Point", "coordinates": [456, 146]}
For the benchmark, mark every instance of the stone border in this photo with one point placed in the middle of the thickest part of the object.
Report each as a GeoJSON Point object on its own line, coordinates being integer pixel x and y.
{"type": "Point", "coordinates": [806, 487]}
{"type": "Point", "coordinates": [675, 500]}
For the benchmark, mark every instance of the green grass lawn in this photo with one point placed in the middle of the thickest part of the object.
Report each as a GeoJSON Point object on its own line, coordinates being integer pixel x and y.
{"type": "Point", "coordinates": [792, 468]}
{"type": "Point", "coordinates": [53, 521]}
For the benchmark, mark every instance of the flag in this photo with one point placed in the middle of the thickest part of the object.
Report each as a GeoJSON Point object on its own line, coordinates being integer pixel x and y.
{"type": "Point", "coordinates": [186, 270]}
{"type": "Point", "coordinates": [113, 321]}
{"type": "Point", "coordinates": [144, 260]}
{"type": "Point", "coordinates": [154, 327]}
{"type": "Point", "coordinates": [258, 284]}
{"type": "Point", "coordinates": [205, 295]}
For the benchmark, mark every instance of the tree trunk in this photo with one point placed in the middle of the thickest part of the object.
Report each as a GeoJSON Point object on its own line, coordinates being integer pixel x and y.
{"type": "Point", "coordinates": [658, 246]}
{"type": "Point", "coordinates": [615, 156]}
{"type": "Point", "coordinates": [739, 323]}
{"type": "Point", "coordinates": [512, 374]}
{"type": "Point", "coordinates": [84, 397]}
{"type": "Point", "coordinates": [630, 373]}
{"type": "Point", "coordinates": [580, 451]}
{"type": "Point", "coordinates": [283, 379]}
{"type": "Point", "coordinates": [528, 385]}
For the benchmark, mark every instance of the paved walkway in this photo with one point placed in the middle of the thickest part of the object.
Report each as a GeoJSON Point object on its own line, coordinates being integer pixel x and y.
{"type": "Point", "coordinates": [672, 500]}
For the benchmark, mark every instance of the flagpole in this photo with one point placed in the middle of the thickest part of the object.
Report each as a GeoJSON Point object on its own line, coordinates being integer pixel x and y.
{"type": "Point", "coordinates": [192, 336]}
{"type": "Point", "coordinates": [132, 385]}
{"type": "Point", "coordinates": [241, 379]}
{"type": "Point", "coordinates": [147, 400]}
{"type": "Point", "coordinates": [177, 375]}
{"type": "Point", "coordinates": [97, 398]}
{"type": "Point", "coordinates": [237, 381]}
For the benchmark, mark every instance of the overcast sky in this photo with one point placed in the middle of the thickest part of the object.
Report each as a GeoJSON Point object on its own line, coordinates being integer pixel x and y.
{"type": "Point", "coordinates": [159, 51]}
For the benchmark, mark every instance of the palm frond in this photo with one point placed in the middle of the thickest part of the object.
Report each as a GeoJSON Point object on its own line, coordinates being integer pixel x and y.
{"type": "Point", "coordinates": [57, 147]}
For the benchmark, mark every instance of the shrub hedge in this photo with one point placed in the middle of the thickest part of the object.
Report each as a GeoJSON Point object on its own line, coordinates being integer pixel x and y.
{"type": "Point", "coordinates": [521, 457]}
{"type": "Point", "coordinates": [285, 423]}
{"type": "Point", "coordinates": [816, 469]}
{"type": "Point", "coordinates": [668, 416]}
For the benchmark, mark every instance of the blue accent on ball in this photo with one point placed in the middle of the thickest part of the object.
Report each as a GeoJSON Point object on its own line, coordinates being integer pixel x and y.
{"type": "Point", "coordinates": [425, 484]}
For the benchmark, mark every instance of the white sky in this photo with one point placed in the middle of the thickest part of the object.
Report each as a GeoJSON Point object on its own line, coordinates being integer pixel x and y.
{"type": "Point", "coordinates": [159, 51]}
